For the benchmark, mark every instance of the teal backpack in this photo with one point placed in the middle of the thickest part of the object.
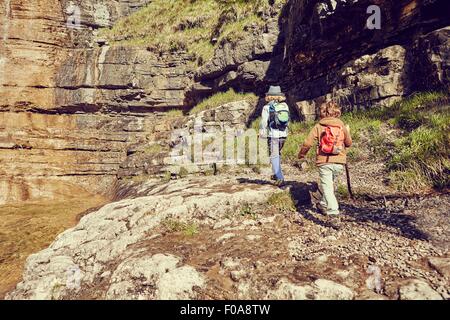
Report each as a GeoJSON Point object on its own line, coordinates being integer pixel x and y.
{"type": "Point", "coordinates": [280, 116]}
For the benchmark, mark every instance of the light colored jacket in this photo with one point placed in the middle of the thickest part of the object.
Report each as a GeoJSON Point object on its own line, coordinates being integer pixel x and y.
{"type": "Point", "coordinates": [265, 130]}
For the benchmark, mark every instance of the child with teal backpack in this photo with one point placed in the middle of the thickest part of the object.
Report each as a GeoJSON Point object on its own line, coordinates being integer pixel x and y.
{"type": "Point", "coordinates": [274, 126]}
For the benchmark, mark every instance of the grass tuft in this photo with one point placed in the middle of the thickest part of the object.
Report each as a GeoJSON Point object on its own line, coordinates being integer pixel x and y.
{"type": "Point", "coordinates": [298, 132]}
{"type": "Point", "coordinates": [342, 191]}
{"type": "Point", "coordinates": [175, 226]}
{"type": "Point", "coordinates": [421, 157]}
{"type": "Point", "coordinates": [153, 149]}
{"type": "Point", "coordinates": [247, 211]}
{"type": "Point", "coordinates": [222, 98]}
{"type": "Point", "coordinates": [282, 201]}
{"type": "Point", "coordinates": [183, 172]}
{"type": "Point", "coordinates": [174, 113]}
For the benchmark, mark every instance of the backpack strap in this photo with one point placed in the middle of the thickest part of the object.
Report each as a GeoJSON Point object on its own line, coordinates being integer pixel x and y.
{"type": "Point", "coordinates": [272, 106]}
{"type": "Point", "coordinates": [272, 110]}
{"type": "Point", "coordinates": [339, 134]}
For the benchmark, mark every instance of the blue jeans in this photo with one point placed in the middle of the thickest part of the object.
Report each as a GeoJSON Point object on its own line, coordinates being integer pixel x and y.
{"type": "Point", "coordinates": [275, 147]}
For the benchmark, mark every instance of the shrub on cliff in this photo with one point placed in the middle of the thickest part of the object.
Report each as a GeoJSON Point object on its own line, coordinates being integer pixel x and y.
{"type": "Point", "coordinates": [222, 98]}
{"type": "Point", "coordinates": [194, 26]}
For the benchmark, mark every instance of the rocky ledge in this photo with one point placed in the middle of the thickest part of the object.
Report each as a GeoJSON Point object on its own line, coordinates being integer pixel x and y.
{"type": "Point", "coordinates": [210, 238]}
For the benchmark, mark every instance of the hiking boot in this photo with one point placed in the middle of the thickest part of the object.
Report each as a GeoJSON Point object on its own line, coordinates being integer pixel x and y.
{"type": "Point", "coordinates": [279, 183]}
{"type": "Point", "coordinates": [273, 178]}
{"type": "Point", "coordinates": [335, 221]}
{"type": "Point", "coordinates": [321, 209]}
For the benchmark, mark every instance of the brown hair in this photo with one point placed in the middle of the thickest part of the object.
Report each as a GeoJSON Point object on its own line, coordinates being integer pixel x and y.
{"type": "Point", "coordinates": [275, 98]}
{"type": "Point", "coordinates": [330, 109]}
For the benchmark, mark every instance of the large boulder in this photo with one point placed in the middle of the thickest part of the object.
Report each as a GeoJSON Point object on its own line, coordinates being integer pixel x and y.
{"type": "Point", "coordinates": [321, 289]}
{"type": "Point", "coordinates": [323, 38]}
{"type": "Point", "coordinates": [441, 265]}
{"type": "Point", "coordinates": [153, 277]}
{"type": "Point", "coordinates": [101, 250]}
{"type": "Point", "coordinates": [431, 61]}
{"type": "Point", "coordinates": [371, 80]}
{"type": "Point", "coordinates": [417, 289]}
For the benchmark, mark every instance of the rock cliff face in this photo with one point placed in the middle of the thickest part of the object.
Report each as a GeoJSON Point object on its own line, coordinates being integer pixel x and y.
{"type": "Point", "coordinates": [46, 155]}
{"type": "Point", "coordinates": [430, 60]}
{"type": "Point", "coordinates": [248, 64]}
{"type": "Point", "coordinates": [121, 79]}
{"type": "Point", "coordinates": [38, 38]}
{"type": "Point", "coordinates": [370, 80]}
{"type": "Point", "coordinates": [332, 53]}
{"type": "Point", "coordinates": [67, 97]}
{"type": "Point", "coordinates": [73, 107]}
{"type": "Point", "coordinates": [61, 95]}
{"type": "Point", "coordinates": [53, 66]}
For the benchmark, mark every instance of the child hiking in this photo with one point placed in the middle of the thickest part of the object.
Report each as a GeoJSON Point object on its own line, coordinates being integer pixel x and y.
{"type": "Point", "coordinates": [332, 138]}
{"type": "Point", "coordinates": [274, 126]}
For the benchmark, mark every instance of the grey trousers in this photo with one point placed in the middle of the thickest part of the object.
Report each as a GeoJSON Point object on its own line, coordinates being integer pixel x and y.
{"type": "Point", "coordinates": [328, 174]}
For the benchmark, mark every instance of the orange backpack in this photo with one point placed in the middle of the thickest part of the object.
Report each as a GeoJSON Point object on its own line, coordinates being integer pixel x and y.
{"type": "Point", "coordinates": [332, 141]}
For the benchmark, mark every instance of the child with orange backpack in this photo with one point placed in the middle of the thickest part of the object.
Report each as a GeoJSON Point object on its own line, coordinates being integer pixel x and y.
{"type": "Point", "coordinates": [333, 138]}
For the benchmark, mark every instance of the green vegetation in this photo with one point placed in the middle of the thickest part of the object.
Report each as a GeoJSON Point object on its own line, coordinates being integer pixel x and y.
{"type": "Point", "coordinates": [282, 201]}
{"type": "Point", "coordinates": [138, 178]}
{"type": "Point", "coordinates": [255, 124]}
{"type": "Point", "coordinates": [412, 136]}
{"type": "Point", "coordinates": [222, 98]}
{"type": "Point", "coordinates": [369, 140]}
{"type": "Point", "coordinates": [174, 226]}
{"type": "Point", "coordinates": [153, 149]}
{"type": "Point", "coordinates": [190, 230]}
{"type": "Point", "coordinates": [206, 142]}
{"type": "Point", "coordinates": [166, 177]}
{"type": "Point", "coordinates": [247, 210]}
{"type": "Point", "coordinates": [408, 180]}
{"type": "Point", "coordinates": [183, 172]}
{"type": "Point", "coordinates": [342, 191]}
{"type": "Point", "coordinates": [188, 25]}
{"type": "Point", "coordinates": [174, 113]}
{"type": "Point", "coordinates": [421, 156]}
{"type": "Point", "coordinates": [298, 131]}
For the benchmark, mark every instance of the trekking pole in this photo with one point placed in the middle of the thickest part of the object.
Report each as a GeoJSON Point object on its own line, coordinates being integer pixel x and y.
{"type": "Point", "coordinates": [349, 185]}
